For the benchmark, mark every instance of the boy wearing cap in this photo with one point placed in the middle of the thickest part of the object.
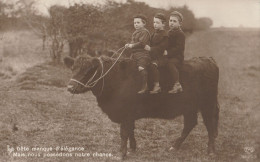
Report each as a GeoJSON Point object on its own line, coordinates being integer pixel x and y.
{"type": "Point", "coordinates": [159, 43]}
{"type": "Point", "coordinates": [140, 38]}
{"type": "Point", "coordinates": [175, 50]}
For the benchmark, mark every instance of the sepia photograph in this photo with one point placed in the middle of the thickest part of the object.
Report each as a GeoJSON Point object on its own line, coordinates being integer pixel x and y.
{"type": "Point", "coordinates": [129, 80]}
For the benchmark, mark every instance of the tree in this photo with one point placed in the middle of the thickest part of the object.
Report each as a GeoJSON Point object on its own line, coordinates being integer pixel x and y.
{"type": "Point", "coordinates": [203, 23]}
{"type": "Point", "coordinates": [84, 23]}
{"type": "Point", "coordinates": [2, 14]}
{"type": "Point", "coordinates": [57, 31]}
{"type": "Point", "coordinates": [29, 14]}
{"type": "Point", "coordinates": [7, 15]}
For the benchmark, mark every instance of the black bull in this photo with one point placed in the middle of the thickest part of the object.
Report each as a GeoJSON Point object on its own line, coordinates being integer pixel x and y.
{"type": "Point", "coordinates": [117, 96]}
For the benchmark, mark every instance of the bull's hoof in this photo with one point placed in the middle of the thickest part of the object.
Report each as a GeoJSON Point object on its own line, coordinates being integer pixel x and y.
{"type": "Point", "coordinates": [172, 149]}
{"type": "Point", "coordinates": [123, 157]}
{"type": "Point", "coordinates": [211, 154]}
{"type": "Point", "coordinates": [211, 151]}
{"type": "Point", "coordinates": [132, 150]}
{"type": "Point", "coordinates": [133, 146]}
{"type": "Point", "coordinates": [123, 153]}
{"type": "Point", "coordinates": [177, 144]}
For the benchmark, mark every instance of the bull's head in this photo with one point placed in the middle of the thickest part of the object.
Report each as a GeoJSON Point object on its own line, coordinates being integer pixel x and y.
{"type": "Point", "coordinates": [84, 71]}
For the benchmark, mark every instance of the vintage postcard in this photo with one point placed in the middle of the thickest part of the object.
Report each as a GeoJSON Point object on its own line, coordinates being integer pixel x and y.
{"type": "Point", "coordinates": [133, 80]}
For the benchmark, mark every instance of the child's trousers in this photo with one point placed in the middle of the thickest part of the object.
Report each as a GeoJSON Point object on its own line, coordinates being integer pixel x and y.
{"type": "Point", "coordinates": [172, 64]}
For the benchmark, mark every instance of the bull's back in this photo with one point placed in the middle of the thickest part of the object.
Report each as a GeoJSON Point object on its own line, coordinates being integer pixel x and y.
{"type": "Point", "coordinates": [203, 70]}
{"type": "Point", "coordinates": [198, 76]}
{"type": "Point", "coordinates": [198, 71]}
{"type": "Point", "coordinates": [199, 79]}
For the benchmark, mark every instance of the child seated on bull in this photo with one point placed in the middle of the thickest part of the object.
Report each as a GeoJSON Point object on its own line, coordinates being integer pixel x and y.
{"type": "Point", "coordinates": [159, 43]}
{"type": "Point", "coordinates": [175, 50]}
{"type": "Point", "coordinates": [140, 38]}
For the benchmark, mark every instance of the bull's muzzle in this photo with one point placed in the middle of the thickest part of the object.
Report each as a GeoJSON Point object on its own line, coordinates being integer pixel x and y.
{"type": "Point", "coordinates": [70, 88]}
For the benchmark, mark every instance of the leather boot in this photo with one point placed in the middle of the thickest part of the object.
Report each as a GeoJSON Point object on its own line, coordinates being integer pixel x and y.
{"type": "Point", "coordinates": [144, 82]}
{"type": "Point", "coordinates": [176, 88]}
{"type": "Point", "coordinates": [156, 88]}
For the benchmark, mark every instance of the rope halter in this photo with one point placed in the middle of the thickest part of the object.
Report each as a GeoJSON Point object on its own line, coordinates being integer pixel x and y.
{"type": "Point", "coordinates": [91, 83]}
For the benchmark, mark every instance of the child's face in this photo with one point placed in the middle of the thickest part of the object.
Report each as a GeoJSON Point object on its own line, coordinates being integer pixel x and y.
{"type": "Point", "coordinates": [158, 24]}
{"type": "Point", "coordinates": [174, 22]}
{"type": "Point", "coordinates": [138, 23]}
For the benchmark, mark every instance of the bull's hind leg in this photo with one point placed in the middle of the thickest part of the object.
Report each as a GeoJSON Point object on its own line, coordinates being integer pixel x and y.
{"type": "Point", "coordinates": [190, 121]}
{"type": "Point", "coordinates": [124, 137]}
{"type": "Point", "coordinates": [216, 118]}
{"type": "Point", "coordinates": [210, 120]}
{"type": "Point", "coordinates": [132, 137]}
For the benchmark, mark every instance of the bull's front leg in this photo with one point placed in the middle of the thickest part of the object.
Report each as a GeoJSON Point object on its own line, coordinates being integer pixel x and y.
{"type": "Point", "coordinates": [132, 136]}
{"type": "Point", "coordinates": [127, 132]}
{"type": "Point", "coordinates": [124, 136]}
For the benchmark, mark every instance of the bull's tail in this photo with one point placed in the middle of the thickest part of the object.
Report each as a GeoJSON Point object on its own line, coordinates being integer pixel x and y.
{"type": "Point", "coordinates": [216, 118]}
{"type": "Point", "coordinates": [216, 106]}
{"type": "Point", "coordinates": [209, 84]}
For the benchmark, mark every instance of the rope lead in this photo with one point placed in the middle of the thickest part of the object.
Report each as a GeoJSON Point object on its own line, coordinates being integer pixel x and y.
{"type": "Point", "coordinates": [90, 84]}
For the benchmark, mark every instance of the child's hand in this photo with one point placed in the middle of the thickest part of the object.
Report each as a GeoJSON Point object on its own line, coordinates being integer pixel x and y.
{"type": "Point", "coordinates": [147, 48]}
{"type": "Point", "coordinates": [129, 46]}
{"type": "Point", "coordinates": [165, 53]}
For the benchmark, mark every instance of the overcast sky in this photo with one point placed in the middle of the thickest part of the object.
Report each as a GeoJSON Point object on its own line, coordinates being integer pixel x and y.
{"type": "Point", "coordinates": [228, 13]}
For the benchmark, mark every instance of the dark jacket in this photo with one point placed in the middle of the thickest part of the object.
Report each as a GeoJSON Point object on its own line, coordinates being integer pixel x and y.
{"type": "Point", "coordinates": [176, 44]}
{"type": "Point", "coordinates": [140, 38]}
{"type": "Point", "coordinates": [159, 43]}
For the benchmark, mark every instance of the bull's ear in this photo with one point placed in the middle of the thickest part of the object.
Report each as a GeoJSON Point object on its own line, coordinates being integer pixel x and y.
{"type": "Point", "coordinates": [96, 62]}
{"type": "Point", "coordinates": [68, 61]}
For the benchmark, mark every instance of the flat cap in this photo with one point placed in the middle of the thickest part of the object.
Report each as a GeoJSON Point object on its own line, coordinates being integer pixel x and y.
{"type": "Point", "coordinates": [178, 14]}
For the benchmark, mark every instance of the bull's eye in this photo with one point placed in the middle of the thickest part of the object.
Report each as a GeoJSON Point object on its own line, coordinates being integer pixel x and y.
{"type": "Point", "coordinates": [89, 69]}
{"type": "Point", "coordinates": [76, 69]}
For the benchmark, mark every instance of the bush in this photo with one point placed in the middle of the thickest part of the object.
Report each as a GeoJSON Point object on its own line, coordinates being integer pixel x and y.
{"type": "Point", "coordinates": [91, 28]}
{"type": "Point", "coordinates": [203, 23]}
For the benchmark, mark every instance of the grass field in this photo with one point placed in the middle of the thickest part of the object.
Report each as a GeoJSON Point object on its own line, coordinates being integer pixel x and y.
{"type": "Point", "coordinates": [37, 111]}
